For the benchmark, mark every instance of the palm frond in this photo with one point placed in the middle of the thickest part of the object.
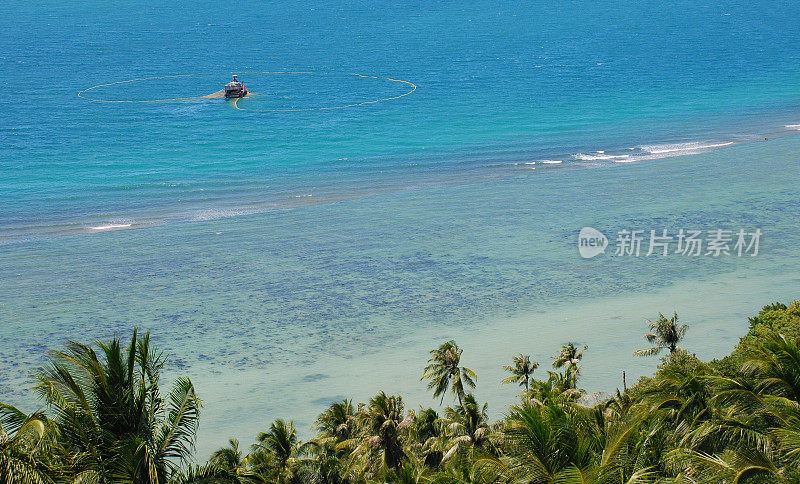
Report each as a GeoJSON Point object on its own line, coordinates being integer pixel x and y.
{"type": "Point", "coordinates": [176, 440]}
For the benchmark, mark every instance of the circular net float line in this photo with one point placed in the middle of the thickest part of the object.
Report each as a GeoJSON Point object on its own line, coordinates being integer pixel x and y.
{"type": "Point", "coordinates": [82, 93]}
{"type": "Point", "coordinates": [218, 94]}
{"type": "Point", "coordinates": [326, 108]}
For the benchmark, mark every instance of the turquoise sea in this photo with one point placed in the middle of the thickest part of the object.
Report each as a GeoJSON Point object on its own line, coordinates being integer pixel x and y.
{"type": "Point", "coordinates": [285, 259]}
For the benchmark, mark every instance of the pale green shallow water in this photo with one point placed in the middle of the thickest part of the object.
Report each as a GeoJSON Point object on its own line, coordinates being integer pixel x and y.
{"type": "Point", "coordinates": [276, 314]}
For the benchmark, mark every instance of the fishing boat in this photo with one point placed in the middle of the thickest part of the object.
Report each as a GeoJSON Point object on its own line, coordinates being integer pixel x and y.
{"type": "Point", "coordinates": [235, 89]}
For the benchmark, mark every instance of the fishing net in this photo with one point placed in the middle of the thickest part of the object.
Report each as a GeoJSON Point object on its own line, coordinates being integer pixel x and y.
{"type": "Point", "coordinates": [278, 91]}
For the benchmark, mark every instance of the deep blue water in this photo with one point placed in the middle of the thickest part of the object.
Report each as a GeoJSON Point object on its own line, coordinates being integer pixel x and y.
{"type": "Point", "coordinates": [263, 240]}
{"type": "Point", "coordinates": [498, 84]}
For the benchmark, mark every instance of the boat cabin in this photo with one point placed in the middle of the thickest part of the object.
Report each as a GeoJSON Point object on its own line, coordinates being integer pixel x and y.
{"type": "Point", "coordinates": [235, 88]}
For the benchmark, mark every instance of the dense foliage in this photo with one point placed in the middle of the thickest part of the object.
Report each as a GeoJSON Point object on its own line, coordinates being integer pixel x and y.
{"type": "Point", "coordinates": [730, 420]}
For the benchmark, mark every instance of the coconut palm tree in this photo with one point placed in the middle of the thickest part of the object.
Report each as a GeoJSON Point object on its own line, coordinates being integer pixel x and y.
{"type": "Point", "coordinates": [772, 404]}
{"type": "Point", "coordinates": [412, 471]}
{"type": "Point", "coordinates": [226, 465]}
{"type": "Point", "coordinates": [775, 365]}
{"type": "Point", "coordinates": [684, 389]}
{"type": "Point", "coordinates": [740, 465]}
{"type": "Point", "coordinates": [569, 356]}
{"type": "Point", "coordinates": [521, 371]}
{"type": "Point", "coordinates": [664, 333]}
{"type": "Point", "coordinates": [338, 421]}
{"type": "Point", "coordinates": [443, 372]}
{"type": "Point", "coordinates": [565, 444]}
{"type": "Point", "coordinates": [337, 426]}
{"type": "Point", "coordinates": [559, 388]}
{"type": "Point", "coordinates": [229, 457]}
{"type": "Point", "coordinates": [329, 463]}
{"type": "Point", "coordinates": [425, 437]}
{"type": "Point", "coordinates": [465, 429]}
{"type": "Point", "coordinates": [547, 443]}
{"type": "Point", "coordinates": [425, 425]}
{"type": "Point", "coordinates": [280, 450]}
{"type": "Point", "coordinates": [379, 446]}
{"type": "Point", "coordinates": [28, 450]}
{"type": "Point", "coordinates": [618, 405]}
{"type": "Point", "coordinates": [111, 414]}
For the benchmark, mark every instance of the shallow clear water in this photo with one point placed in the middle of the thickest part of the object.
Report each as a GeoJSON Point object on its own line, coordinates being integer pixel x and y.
{"type": "Point", "coordinates": [296, 257]}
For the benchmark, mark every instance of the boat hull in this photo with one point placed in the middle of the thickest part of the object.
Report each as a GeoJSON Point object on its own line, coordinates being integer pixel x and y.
{"type": "Point", "coordinates": [236, 94]}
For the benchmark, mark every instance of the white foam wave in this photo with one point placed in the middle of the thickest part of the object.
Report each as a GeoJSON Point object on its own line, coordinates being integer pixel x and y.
{"type": "Point", "coordinates": [793, 126]}
{"type": "Point", "coordinates": [213, 214]}
{"type": "Point", "coordinates": [101, 228]}
{"type": "Point", "coordinates": [599, 156]}
{"type": "Point", "coordinates": [677, 149]}
{"type": "Point", "coordinates": [651, 152]}
{"type": "Point", "coordinates": [551, 162]}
